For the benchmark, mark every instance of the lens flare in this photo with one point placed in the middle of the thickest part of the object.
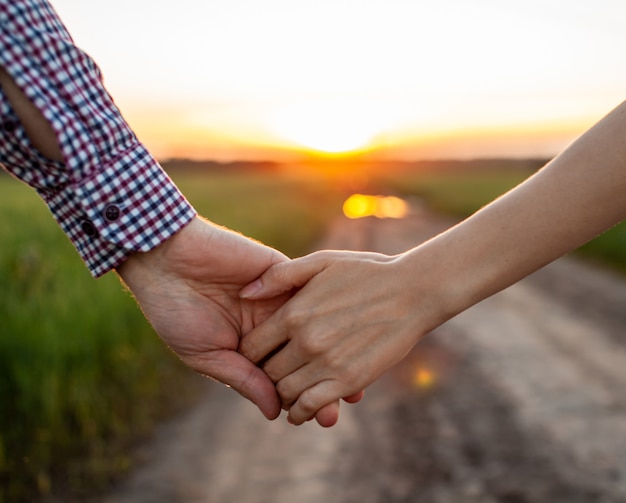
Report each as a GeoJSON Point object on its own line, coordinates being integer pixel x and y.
{"type": "Point", "coordinates": [424, 378]}
{"type": "Point", "coordinates": [361, 206]}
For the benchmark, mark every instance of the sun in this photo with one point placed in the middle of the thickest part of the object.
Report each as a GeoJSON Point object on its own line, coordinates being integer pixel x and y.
{"type": "Point", "coordinates": [329, 126]}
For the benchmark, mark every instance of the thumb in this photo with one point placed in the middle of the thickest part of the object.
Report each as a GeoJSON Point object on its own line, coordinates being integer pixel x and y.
{"type": "Point", "coordinates": [238, 373]}
{"type": "Point", "coordinates": [283, 277]}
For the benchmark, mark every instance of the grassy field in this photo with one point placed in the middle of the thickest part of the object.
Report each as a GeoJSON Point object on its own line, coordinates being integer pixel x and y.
{"type": "Point", "coordinates": [82, 375]}
{"type": "Point", "coordinates": [461, 194]}
{"type": "Point", "coordinates": [458, 194]}
{"type": "Point", "coordinates": [286, 213]}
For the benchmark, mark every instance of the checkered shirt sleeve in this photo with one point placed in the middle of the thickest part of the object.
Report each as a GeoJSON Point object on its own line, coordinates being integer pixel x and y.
{"type": "Point", "coordinates": [109, 195]}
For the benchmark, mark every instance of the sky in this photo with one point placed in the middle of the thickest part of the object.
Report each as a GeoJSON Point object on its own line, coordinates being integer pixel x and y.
{"type": "Point", "coordinates": [251, 79]}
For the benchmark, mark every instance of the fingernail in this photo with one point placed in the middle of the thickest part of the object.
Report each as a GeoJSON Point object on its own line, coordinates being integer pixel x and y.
{"type": "Point", "coordinates": [251, 289]}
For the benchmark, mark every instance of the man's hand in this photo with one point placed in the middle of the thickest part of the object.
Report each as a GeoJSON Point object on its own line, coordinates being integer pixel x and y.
{"type": "Point", "coordinates": [188, 289]}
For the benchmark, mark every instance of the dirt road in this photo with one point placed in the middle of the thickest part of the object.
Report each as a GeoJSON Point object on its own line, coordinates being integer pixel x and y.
{"type": "Point", "coordinates": [520, 399]}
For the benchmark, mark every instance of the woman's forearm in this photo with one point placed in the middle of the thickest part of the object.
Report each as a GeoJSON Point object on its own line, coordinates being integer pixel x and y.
{"type": "Point", "coordinates": [577, 196]}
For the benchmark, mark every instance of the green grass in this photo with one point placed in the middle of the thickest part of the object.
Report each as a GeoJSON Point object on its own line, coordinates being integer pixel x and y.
{"type": "Point", "coordinates": [288, 213]}
{"type": "Point", "coordinates": [608, 249]}
{"type": "Point", "coordinates": [82, 375]}
{"type": "Point", "coordinates": [460, 194]}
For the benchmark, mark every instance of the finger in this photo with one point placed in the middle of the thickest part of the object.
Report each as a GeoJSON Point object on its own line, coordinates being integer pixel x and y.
{"type": "Point", "coordinates": [264, 339]}
{"type": "Point", "coordinates": [291, 386]}
{"type": "Point", "coordinates": [328, 415]}
{"type": "Point", "coordinates": [357, 397]}
{"type": "Point", "coordinates": [234, 370]}
{"type": "Point", "coordinates": [315, 399]}
{"type": "Point", "coordinates": [284, 277]}
{"type": "Point", "coordinates": [284, 362]}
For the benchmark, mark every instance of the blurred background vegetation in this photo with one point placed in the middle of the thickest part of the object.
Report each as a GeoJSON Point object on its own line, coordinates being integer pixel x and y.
{"type": "Point", "coordinates": [82, 375]}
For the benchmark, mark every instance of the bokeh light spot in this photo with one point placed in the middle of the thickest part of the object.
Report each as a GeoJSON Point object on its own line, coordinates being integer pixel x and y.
{"type": "Point", "coordinates": [360, 206]}
{"type": "Point", "coordinates": [424, 378]}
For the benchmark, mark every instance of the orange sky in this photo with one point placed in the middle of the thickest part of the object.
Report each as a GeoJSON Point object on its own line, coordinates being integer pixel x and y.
{"type": "Point", "coordinates": [245, 79]}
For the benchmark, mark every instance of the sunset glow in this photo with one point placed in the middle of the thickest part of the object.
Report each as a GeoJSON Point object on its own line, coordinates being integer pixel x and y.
{"type": "Point", "coordinates": [394, 78]}
{"type": "Point", "coordinates": [329, 126]}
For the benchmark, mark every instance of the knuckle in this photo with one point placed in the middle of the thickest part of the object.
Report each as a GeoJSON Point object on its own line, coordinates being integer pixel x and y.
{"type": "Point", "coordinates": [295, 318]}
{"type": "Point", "coordinates": [285, 392]}
{"type": "Point", "coordinates": [294, 313]}
{"type": "Point", "coordinates": [307, 403]}
{"type": "Point", "coordinates": [314, 256]}
{"type": "Point", "coordinates": [344, 370]}
{"type": "Point", "coordinates": [352, 375]}
{"type": "Point", "coordinates": [312, 345]}
{"type": "Point", "coordinates": [272, 373]}
{"type": "Point", "coordinates": [278, 273]}
{"type": "Point", "coordinates": [317, 343]}
{"type": "Point", "coordinates": [245, 346]}
{"type": "Point", "coordinates": [248, 348]}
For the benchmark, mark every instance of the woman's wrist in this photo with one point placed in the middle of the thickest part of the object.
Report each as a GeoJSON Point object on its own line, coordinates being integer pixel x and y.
{"type": "Point", "coordinates": [420, 277]}
{"type": "Point", "coordinates": [447, 275]}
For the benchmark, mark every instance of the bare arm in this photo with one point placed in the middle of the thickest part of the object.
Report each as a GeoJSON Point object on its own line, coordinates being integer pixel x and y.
{"type": "Point", "coordinates": [38, 129]}
{"type": "Point", "coordinates": [577, 196]}
{"type": "Point", "coordinates": [356, 316]}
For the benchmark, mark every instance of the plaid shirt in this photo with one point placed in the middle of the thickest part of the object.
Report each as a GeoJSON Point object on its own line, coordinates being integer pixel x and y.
{"type": "Point", "coordinates": [110, 196]}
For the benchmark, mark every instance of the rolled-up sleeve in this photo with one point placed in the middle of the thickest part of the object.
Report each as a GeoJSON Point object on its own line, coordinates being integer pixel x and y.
{"type": "Point", "coordinates": [109, 195]}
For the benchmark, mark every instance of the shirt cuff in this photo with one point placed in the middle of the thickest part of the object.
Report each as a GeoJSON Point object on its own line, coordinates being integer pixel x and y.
{"type": "Point", "coordinates": [129, 205]}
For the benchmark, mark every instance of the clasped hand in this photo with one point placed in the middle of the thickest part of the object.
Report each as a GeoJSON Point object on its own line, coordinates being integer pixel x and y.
{"type": "Point", "coordinates": [348, 321]}
{"type": "Point", "coordinates": [189, 290]}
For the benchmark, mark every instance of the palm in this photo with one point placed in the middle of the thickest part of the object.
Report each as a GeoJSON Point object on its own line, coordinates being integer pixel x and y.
{"type": "Point", "coordinates": [189, 291]}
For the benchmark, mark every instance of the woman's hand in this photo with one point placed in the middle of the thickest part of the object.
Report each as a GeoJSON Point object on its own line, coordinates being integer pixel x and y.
{"type": "Point", "coordinates": [354, 316]}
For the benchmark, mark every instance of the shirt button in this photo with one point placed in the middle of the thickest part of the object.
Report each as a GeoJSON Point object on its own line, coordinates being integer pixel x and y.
{"type": "Point", "coordinates": [111, 213]}
{"type": "Point", "coordinates": [9, 126]}
{"type": "Point", "coordinates": [89, 229]}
